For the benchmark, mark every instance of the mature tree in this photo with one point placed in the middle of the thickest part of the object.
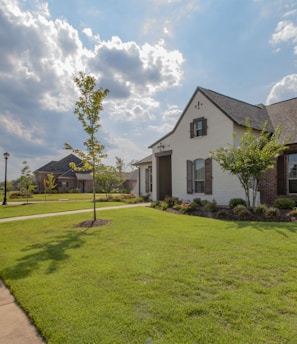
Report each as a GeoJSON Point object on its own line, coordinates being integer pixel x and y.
{"type": "Point", "coordinates": [49, 184]}
{"type": "Point", "coordinates": [110, 177]}
{"type": "Point", "coordinates": [88, 109]}
{"type": "Point", "coordinates": [254, 156]}
{"type": "Point", "coordinates": [27, 180]}
{"type": "Point", "coordinates": [120, 169]}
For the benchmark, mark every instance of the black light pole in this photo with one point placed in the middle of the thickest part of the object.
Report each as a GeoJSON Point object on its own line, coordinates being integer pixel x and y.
{"type": "Point", "coordinates": [6, 156]}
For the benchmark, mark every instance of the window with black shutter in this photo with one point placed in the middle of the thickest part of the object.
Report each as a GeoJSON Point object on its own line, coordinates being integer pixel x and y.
{"type": "Point", "coordinates": [198, 127]}
{"type": "Point", "coordinates": [199, 176]}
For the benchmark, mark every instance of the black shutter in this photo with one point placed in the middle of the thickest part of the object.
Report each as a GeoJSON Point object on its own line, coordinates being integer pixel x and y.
{"type": "Point", "coordinates": [281, 173]}
{"type": "Point", "coordinates": [204, 126]}
{"type": "Point", "coordinates": [189, 177]}
{"type": "Point", "coordinates": [147, 179]}
{"type": "Point", "coordinates": [208, 176]}
{"type": "Point", "coordinates": [191, 130]}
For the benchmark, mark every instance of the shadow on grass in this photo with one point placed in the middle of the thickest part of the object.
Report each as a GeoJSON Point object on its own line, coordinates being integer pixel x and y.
{"type": "Point", "coordinates": [53, 251]}
{"type": "Point", "coordinates": [278, 227]}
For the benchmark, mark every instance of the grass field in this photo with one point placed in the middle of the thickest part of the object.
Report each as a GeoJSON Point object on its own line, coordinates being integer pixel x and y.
{"type": "Point", "coordinates": [154, 277]}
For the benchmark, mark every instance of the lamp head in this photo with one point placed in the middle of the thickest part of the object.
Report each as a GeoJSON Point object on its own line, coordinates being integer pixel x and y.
{"type": "Point", "coordinates": [6, 155]}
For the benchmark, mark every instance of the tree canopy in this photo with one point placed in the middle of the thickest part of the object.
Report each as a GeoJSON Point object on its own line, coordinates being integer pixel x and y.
{"type": "Point", "coordinates": [254, 155]}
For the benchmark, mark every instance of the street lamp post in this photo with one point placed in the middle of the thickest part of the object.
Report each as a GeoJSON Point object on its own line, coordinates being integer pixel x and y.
{"type": "Point", "coordinates": [6, 156]}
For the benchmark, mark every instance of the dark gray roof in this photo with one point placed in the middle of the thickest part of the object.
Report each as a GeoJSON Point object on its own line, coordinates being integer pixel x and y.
{"type": "Point", "coordinates": [62, 167]}
{"type": "Point", "coordinates": [285, 114]}
{"type": "Point", "coordinates": [145, 160]}
{"type": "Point", "coordinates": [238, 111]}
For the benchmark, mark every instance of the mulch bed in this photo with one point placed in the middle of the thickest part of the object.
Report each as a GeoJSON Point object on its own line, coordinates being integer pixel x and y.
{"type": "Point", "coordinates": [224, 213]}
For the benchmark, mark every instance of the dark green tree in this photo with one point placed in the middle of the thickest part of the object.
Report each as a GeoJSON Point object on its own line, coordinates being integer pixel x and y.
{"type": "Point", "coordinates": [87, 109]}
{"type": "Point", "coordinates": [254, 155]}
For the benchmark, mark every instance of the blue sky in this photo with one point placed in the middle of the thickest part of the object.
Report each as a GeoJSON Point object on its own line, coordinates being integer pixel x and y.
{"type": "Point", "coordinates": [150, 54]}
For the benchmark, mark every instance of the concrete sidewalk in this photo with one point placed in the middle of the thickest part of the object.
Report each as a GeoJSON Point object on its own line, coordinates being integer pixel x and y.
{"type": "Point", "coordinates": [69, 212]}
{"type": "Point", "coordinates": [15, 327]}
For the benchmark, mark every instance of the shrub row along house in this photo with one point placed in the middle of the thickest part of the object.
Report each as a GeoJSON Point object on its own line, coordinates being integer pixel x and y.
{"type": "Point", "coordinates": [180, 164]}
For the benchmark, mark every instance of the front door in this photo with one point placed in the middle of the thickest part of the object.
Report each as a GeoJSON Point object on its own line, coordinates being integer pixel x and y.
{"type": "Point", "coordinates": [164, 183]}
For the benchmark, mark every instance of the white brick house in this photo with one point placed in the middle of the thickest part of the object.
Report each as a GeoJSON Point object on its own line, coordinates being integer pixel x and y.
{"type": "Point", "coordinates": [180, 162]}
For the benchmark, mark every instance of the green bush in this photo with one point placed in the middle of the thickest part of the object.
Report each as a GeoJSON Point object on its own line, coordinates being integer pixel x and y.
{"type": "Point", "coordinates": [293, 213]}
{"type": "Point", "coordinates": [210, 206]}
{"type": "Point", "coordinates": [171, 201]}
{"type": "Point", "coordinates": [284, 203]}
{"type": "Point", "coordinates": [155, 204]}
{"type": "Point", "coordinates": [222, 214]}
{"type": "Point", "coordinates": [197, 201]}
{"type": "Point", "coordinates": [187, 207]}
{"type": "Point", "coordinates": [236, 201]}
{"type": "Point", "coordinates": [272, 213]}
{"type": "Point", "coordinates": [242, 212]}
{"type": "Point", "coordinates": [261, 209]}
{"type": "Point", "coordinates": [163, 205]}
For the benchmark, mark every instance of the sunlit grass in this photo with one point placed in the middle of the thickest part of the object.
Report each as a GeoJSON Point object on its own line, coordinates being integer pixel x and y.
{"type": "Point", "coordinates": [154, 277]}
{"type": "Point", "coordinates": [12, 210]}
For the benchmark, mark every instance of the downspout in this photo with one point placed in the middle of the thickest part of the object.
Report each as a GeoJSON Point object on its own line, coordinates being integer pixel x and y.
{"type": "Point", "coordinates": [139, 189]}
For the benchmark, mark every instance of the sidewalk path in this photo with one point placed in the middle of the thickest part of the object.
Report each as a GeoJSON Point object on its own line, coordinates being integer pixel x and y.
{"type": "Point", "coordinates": [69, 212]}
{"type": "Point", "coordinates": [15, 326]}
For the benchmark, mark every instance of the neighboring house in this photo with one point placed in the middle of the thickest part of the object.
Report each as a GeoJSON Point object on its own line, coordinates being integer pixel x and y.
{"type": "Point", "coordinates": [180, 165]}
{"type": "Point", "coordinates": [144, 185]}
{"type": "Point", "coordinates": [131, 182]}
{"type": "Point", "coordinates": [65, 178]}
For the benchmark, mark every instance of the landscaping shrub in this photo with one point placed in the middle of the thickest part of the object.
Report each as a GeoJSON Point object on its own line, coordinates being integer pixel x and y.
{"type": "Point", "coordinates": [242, 212]}
{"type": "Point", "coordinates": [187, 207]}
{"type": "Point", "coordinates": [222, 214]}
{"type": "Point", "coordinates": [18, 194]}
{"type": "Point", "coordinates": [155, 204]}
{"type": "Point", "coordinates": [197, 201]}
{"type": "Point", "coordinates": [163, 205]}
{"type": "Point", "coordinates": [284, 203]}
{"type": "Point", "coordinates": [293, 213]}
{"type": "Point", "coordinates": [272, 213]}
{"type": "Point", "coordinates": [210, 206]}
{"type": "Point", "coordinates": [236, 201]}
{"type": "Point", "coordinates": [171, 201]}
{"type": "Point", "coordinates": [261, 209]}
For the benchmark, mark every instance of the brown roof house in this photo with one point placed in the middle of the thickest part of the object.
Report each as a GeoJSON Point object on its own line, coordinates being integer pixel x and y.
{"type": "Point", "coordinates": [66, 178]}
{"type": "Point", "coordinates": [180, 164]}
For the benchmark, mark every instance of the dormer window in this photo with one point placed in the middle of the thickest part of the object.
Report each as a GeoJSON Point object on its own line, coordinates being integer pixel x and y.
{"type": "Point", "coordinates": [198, 127]}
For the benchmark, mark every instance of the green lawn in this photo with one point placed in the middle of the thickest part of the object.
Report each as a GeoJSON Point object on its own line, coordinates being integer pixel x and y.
{"type": "Point", "coordinates": [14, 209]}
{"type": "Point", "coordinates": [154, 277]}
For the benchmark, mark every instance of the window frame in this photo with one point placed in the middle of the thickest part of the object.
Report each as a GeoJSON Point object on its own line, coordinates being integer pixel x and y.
{"type": "Point", "coordinates": [196, 130]}
{"type": "Point", "coordinates": [289, 169]}
{"type": "Point", "coordinates": [199, 179]}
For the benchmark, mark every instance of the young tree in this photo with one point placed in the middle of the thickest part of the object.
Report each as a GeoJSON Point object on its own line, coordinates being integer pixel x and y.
{"type": "Point", "coordinates": [87, 109]}
{"type": "Point", "coordinates": [49, 184]}
{"type": "Point", "coordinates": [254, 156]}
{"type": "Point", "coordinates": [27, 180]}
{"type": "Point", "coordinates": [108, 178]}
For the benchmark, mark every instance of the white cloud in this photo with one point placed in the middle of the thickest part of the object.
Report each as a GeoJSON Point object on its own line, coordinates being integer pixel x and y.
{"type": "Point", "coordinates": [39, 57]}
{"type": "Point", "coordinates": [19, 130]}
{"type": "Point", "coordinates": [284, 89]}
{"type": "Point", "coordinates": [284, 32]}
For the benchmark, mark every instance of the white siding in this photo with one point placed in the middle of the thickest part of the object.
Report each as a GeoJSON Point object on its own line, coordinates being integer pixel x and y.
{"type": "Point", "coordinates": [219, 133]}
